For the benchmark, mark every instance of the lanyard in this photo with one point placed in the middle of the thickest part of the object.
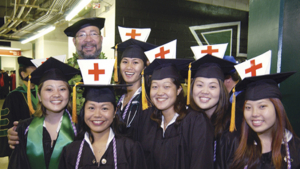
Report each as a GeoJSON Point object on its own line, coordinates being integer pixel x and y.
{"type": "Point", "coordinates": [80, 153]}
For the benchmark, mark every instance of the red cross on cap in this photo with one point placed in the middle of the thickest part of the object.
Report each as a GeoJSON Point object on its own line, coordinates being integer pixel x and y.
{"type": "Point", "coordinates": [210, 50]}
{"type": "Point", "coordinates": [133, 34]}
{"type": "Point", "coordinates": [96, 71]}
{"type": "Point", "coordinates": [253, 68]}
{"type": "Point", "coordinates": [162, 53]}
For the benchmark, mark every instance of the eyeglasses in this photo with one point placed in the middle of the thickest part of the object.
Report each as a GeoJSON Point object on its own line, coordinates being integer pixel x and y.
{"type": "Point", "coordinates": [82, 36]}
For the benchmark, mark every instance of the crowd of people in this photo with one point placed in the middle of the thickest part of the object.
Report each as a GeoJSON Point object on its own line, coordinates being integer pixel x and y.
{"type": "Point", "coordinates": [146, 120]}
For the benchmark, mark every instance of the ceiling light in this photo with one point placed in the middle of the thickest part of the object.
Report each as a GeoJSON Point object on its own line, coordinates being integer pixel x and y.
{"type": "Point", "coordinates": [41, 33]}
{"type": "Point", "coordinates": [7, 48]}
{"type": "Point", "coordinates": [77, 9]}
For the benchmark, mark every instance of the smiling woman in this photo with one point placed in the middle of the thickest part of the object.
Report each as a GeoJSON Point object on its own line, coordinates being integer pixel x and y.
{"type": "Point", "coordinates": [43, 136]}
{"type": "Point", "coordinates": [267, 138]}
{"type": "Point", "coordinates": [129, 106]}
{"type": "Point", "coordinates": [172, 136]}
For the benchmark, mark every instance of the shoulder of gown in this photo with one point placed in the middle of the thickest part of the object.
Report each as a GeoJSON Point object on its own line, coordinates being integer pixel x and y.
{"type": "Point", "coordinates": [226, 147]}
{"type": "Point", "coordinates": [197, 139]}
{"type": "Point", "coordinates": [18, 158]}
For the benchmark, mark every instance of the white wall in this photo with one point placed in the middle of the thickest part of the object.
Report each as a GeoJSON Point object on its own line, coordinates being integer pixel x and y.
{"type": "Point", "coordinates": [54, 48]}
{"type": "Point", "coordinates": [39, 48]}
{"type": "Point", "coordinates": [108, 31]}
{"type": "Point", "coordinates": [9, 62]}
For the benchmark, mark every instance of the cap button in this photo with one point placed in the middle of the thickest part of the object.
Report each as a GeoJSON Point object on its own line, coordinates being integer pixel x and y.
{"type": "Point", "coordinates": [103, 161]}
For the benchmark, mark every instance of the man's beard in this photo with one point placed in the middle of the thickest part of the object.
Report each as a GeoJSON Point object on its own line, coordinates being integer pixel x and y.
{"type": "Point", "coordinates": [92, 56]}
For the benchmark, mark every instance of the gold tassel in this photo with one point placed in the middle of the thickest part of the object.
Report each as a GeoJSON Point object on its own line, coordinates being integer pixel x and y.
{"type": "Point", "coordinates": [74, 109]}
{"type": "Point", "coordinates": [189, 85]}
{"type": "Point", "coordinates": [144, 99]}
{"type": "Point", "coordinates": [232, 120]}
{"type": "Point", "coordinates": [31, 110]}
{"type": "Point", "coordinates": [116, 79]}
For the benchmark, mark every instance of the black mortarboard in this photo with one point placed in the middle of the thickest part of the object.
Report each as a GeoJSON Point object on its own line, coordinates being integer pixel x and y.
{"type": "Point", "coordinates": [260, 87]}
{"type": "Point", "coordinates": [72, 30]}
{"type": "Point", "coordinates": [166, 68]}
{"type": "Point", "coordinates": [101, 93]}
{"type": "Point", "coordinates": [210, 67]}
{"type": "Point", "coordinates": [133, 48]}
{"type": "Point", "coordinates": [25, 61]}
{"type": "Point", "coordinates": [53, 69]}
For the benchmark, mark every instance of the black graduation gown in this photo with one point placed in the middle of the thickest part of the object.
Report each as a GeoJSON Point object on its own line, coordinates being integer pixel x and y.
{"type": "Point", "coordinates": [19, 158]}
{"type": "Point", "coordinates": [294, 146]}
{"type": "Point", "coordinates": [14, 108]}
{"type": "Point", "coordinates": [226, 147]}
{"type": "Point", "coordinates": [129, 156]}
{"type": "Point", "coordinates": [131, 123]}
{"type": "Point", "coordinates": [187, 146]}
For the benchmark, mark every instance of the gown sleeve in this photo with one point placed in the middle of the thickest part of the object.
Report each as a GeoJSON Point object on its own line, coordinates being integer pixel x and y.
{"type": "Point", "coordinates": [18, 158]}
{"type": "Point", "coordinates": [227, 145]}
{"type": "Point", "coordinates": [198, 135]}
{"type": "Point", "coordinates": [14, 109]}
{"type": "Point", "coordinates": [136, 156]}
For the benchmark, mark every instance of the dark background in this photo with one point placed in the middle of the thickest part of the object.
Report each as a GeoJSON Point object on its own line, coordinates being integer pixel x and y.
{"type": "Point", "coordinates": [171, 19]}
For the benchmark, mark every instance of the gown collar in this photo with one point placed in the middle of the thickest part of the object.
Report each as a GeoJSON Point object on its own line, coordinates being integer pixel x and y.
{"type": "Point", "coordinates": [287, 134]}
{"type": "Point", "coordinates": [171, 122]}
{"type": "Point", "coordinates": [137, 92]}
{"type": "Point", "coordinates": [110, 137]}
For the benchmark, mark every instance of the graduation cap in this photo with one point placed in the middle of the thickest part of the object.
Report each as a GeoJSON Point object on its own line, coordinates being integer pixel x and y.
{"type": "Point", "coordinates": [161, 69]}
{"type": "Point", "coordinates": [260, 87]}
{"type": "Point", "coordinates": [141, 34]}
{"type": "Point", "coordinates": [132, 49]}
{"type": "Point", "coordinates": [96, 74]}
{"type": "Point", "coordinates": [257, 66]}
{"type": "Point", "coordinates": [166, 51]}
{"type": "Point", "coordinates": [217, 50]}
{"type": "Point", "coordinates": [52, 69]}
{"type": "Point", "coordinates": [72, 30]}
{"type": "Point", "coordinates": [231, 59]}
{"type": "Point", "coordinates": [38, 62]}
{"type": "Point", "coordinates": [25, 61]}
{"type": "Point", "coordinates": [209, 67]}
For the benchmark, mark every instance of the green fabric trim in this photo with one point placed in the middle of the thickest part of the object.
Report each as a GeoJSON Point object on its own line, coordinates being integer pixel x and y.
{"type": "Point", "coordinates": [4, 122]}
{"type": "Point", "coordinates": [4, 112]}
{"type": "Point", "coordinates": [3, 133]}
{"type": "Point", "coordinates": [34, 148]}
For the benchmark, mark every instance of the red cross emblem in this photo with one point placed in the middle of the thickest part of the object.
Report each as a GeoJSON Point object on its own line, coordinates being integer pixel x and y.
{"type": "Point", "coordinates": [96, 71]}
{"type": "Point", "coordinates": [45, 61]}
{"type": "Point", "coordinates": [210, 50]}
{"type": "Point", "coordinates": [253, 68]}
{"type": "Point", "coordinates": [162, 53]}
{"type": "Point", "coordinates": [133, 34]}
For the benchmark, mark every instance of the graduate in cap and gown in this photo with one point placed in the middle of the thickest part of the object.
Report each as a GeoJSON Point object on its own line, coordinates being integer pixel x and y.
{"type": "Point", "coordinates": [15, 106]}
{"type": "Point", "coordinates": [98, 144]}
{"type": "Point", "coordinates": [87, 39]}
{"type": "Point", "coordinates": [267, 137]}
{"type": "Point", "coordinates": [207, 93]}
{"type": "Point", "coordinates": [43, 137]}
{"type": "Point", "coordinates": [129, 107]}
{"type": "Point", "coordinates": [172, 136]}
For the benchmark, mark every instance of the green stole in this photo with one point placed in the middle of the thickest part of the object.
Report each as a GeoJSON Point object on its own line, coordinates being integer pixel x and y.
{"type": "Point", "coordinates": [34, 100]}
{"type": "Point", "coordinates": [34, 148]}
